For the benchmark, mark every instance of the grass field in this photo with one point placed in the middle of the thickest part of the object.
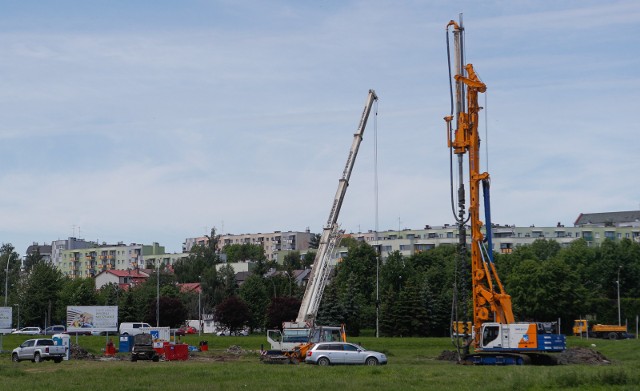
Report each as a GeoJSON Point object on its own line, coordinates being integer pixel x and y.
{"type": "Point", "coordinates": [412, 366]}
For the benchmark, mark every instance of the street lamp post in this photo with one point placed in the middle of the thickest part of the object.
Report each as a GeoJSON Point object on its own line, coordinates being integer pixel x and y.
{"type": "Point", "coordinates": [288, 275]}
{"type": "Point", "coordinates": [157, 293]}
{"type": "Point", "coordinates": [618, 282]}
{"type": "Point", "coordinates": [6, 296]}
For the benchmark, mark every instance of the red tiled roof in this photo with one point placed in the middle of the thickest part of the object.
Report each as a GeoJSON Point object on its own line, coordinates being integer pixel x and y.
{"type": "Point", "coordinates": [127, 273]}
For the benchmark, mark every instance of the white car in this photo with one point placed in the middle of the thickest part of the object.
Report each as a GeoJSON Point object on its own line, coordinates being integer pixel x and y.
{"type": "Point", "coordinates": [29, 331]}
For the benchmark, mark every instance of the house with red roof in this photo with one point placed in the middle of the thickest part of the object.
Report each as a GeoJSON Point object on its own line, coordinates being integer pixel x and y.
{"type": "Point", "coordinates": [124, 278]}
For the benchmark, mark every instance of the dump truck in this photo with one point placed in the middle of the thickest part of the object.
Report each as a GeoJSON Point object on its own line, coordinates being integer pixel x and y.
{"type": "Point", "coordinates": [607, 331]}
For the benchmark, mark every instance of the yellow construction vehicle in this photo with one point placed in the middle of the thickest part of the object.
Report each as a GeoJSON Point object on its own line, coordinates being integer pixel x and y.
{"type": "Point", "coordinates": [608, 331]}
{"type": "Point", "coordinates": [494, 335]}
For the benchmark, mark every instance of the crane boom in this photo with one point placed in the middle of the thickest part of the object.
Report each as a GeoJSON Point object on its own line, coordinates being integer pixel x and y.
{"type": "Point", "coordinates": [331, 231]}
{"type": "Point", "coordinates": [298, 336]}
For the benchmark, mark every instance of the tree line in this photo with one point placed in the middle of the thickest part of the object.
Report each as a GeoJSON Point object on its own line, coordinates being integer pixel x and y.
{"type": "Point", "coordinates": [403, 295]}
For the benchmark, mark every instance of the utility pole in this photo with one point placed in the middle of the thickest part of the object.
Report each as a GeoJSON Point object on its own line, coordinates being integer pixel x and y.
{"type": "Point", "coordinates": [618, 282]}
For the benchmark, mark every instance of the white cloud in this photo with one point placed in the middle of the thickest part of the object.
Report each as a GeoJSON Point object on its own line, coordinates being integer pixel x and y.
{"type": "Point", "coordinates": [148, 129]}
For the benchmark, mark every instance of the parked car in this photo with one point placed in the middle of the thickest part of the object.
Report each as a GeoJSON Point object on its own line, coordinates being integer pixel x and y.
{"type": "Point", "coordinates": [29, 331]}
{"type": "Point", "coordinates": [237, 333]}
{"type": "Point", "coordinates": [186, 330]}
{"type": "Point", "coordinates": [38, 350]}
{"type": "Point", "coordinates": [333, 353]}
{"type": "Point", "coordinates": [133, 328]}
{"type": "Point", "coordinates": [57, 329]}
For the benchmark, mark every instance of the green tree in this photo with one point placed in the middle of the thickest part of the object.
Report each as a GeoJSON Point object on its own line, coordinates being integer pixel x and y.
{"type": "Point", "coordinates": [173, 313]}
{"type": "Point", "coordinates": [545, 249]}
{"type": "Point", "coordinates": [10, 260]}
{"type": "Point", "coordinates": [331, 311]}
{"type": "Point", "coordinates": [32, 259]}
{"type": "Point", "coordinates": [78, 291]}
{"type": "Point", "coordinates": [244, 252]}
{"type": "Point", "coordinates": [389, 313]}
{"type": "Point", "coordinates": [308, 259]}
{"type": "Point", "coordinates": [212, 290]}
{"type": "Point", "coordinates": [39, 292]}
{"type": "Point", "coordinates": [233, 313]}
{"type": "Point", "coordinates": [350, 302]}
{"type": "Point", "coordinates": [190, 269]}
{"type": "Point", "coordinates": [254, 292]}
{"type": "Point", "coordinates": [109, 295]}
{"type": "Point", "coordinates": [282, 309]}
{"type": "Point", "coordinates": [228, 281]}
{"type": "Point", "coordinates": [292, 261]}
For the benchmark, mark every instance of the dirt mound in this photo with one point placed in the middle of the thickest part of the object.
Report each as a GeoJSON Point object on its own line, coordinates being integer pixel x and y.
{"type": "Point", "coordinates": [582, 356]}
{"type": "Point", "coordinates": [235, 349]}
{"type": "Point", "coordinates": [448, 355]}
{"type": "Point", "coordinates": [79, 353]}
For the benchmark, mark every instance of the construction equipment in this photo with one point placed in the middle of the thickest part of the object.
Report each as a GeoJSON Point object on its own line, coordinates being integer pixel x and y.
{"type": "Point", "coordinates": [496, 337]}
{"type": "Point", "coordinates": [297, 337]}
{"type": "Point", "coordinates": [608, 331]}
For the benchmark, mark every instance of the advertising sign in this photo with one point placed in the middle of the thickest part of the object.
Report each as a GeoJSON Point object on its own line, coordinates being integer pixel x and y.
{"type": "Point", "coordinates": [88, 319]}
{"type": "Point", "coordinates": [6, 318]}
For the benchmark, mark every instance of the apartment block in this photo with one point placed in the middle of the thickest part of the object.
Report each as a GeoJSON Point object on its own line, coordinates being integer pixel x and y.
{"type": "Point", "coordinates": [88, 262]}
{"type": "Point", "coordinates": [273, 242]}
{"type": "Point", "coordinates": [593, 228]}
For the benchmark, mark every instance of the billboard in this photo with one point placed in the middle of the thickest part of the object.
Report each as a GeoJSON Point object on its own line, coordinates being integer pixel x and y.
{"type": "Point", "coordinates": [86, 319]}
{"type": "Point", "coordinates": [6, 319]}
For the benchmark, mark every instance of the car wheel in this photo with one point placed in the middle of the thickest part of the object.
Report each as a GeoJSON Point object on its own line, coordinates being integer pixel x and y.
{"type": "Point", "coordinates": [372, 361]}
{"type": "Point", "coordinates": [57, 360]}
{"type": "Point", "coordinates": [156, 358]}
{"type": "Point", "coordinates": [134, 359]}
{"type": "Point", "coordinates": [37, 358]}
{"type": "Point", "coordinates": [613, 335]}
{"type": "Point", "coordinates": [323, 362]}
{"type": "Point", "coordinates": [14, 357]}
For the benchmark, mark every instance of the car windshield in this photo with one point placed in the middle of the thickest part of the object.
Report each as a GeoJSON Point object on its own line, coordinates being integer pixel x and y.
{"type": "Point", "coordinates": [46, 342]}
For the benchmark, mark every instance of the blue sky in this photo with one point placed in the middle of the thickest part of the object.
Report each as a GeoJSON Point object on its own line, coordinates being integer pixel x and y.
{"type": "Point", "coordinates": [142, 121]}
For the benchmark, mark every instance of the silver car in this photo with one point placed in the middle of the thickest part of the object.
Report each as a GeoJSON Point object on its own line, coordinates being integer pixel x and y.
{"type": "Point", "coordinates": [334, 353]}
{"type": "Point", "coordinates": [28, 331]}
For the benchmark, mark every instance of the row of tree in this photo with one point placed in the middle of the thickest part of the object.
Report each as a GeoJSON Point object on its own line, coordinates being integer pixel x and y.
{"type": "Point", "coordinates": [403, 296]}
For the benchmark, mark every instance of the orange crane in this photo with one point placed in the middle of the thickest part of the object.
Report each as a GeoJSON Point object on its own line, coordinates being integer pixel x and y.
{"type": "Point", "coordinates": [495, 335]}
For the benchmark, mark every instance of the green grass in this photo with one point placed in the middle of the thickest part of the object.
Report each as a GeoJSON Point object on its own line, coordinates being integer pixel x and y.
{"type": "Point", "coordinates": [412, 366]}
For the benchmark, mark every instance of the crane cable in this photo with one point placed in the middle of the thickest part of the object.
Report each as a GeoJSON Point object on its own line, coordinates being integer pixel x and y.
{"type": "Point", "coordinates": [375, 191]}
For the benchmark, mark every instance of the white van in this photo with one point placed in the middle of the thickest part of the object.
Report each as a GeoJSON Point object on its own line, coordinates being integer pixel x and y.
{"type": "Point", "coordinates": [133, 328]}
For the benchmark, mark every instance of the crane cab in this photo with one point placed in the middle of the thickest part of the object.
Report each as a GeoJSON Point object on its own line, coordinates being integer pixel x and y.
{"type": "Point", "coordinates": [292, 337]}
{"type": "Point", "coordinates": [521, 337]}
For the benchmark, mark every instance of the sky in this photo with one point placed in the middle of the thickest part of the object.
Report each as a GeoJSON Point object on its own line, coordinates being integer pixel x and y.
{"type": "Point", "coordinates": [155, 121]}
